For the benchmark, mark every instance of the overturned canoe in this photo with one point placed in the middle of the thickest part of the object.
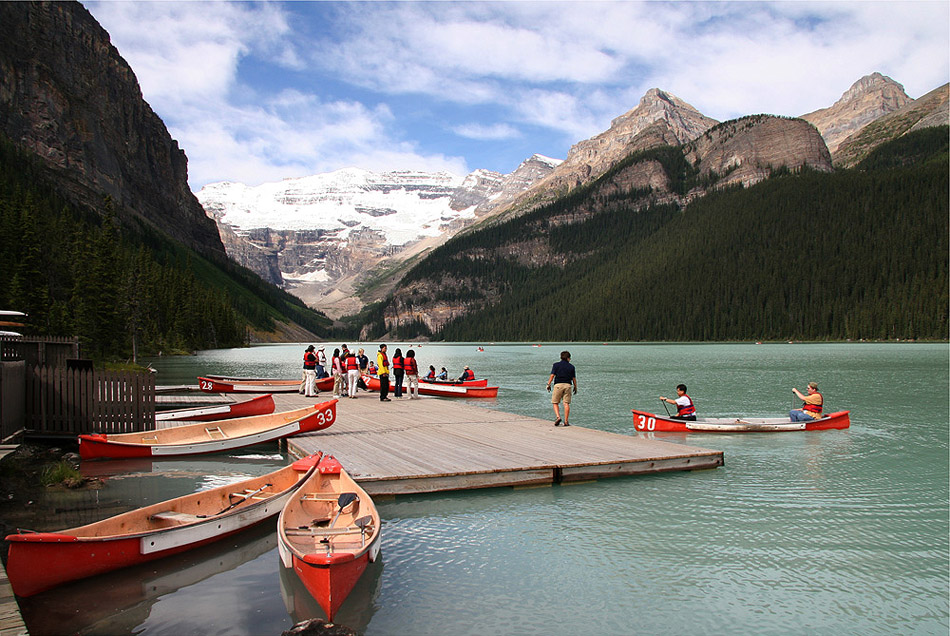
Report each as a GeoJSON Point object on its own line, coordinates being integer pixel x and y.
{"type": "Point", "coordinates": [234, 385]}
{"type": "Point", "coordinates": [327, 533]}
{"type": "Point", "coordinates": [649, 422]}
{"type": "Point", "coordinates": [260, 405]}
{"type": "Point", "coordinates": [38, 561]}
{"type": "Point", "coordinates": [441, 389]}
{"type": "Point", "coordinates": [208, 437]}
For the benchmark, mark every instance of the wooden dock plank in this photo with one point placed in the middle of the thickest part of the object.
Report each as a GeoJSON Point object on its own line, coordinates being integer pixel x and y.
{"type": "Point", "coordinates": [435, 444]}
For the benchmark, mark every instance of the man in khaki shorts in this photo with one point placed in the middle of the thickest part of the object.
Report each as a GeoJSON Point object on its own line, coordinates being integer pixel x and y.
{"type": "Point", "coordinates": [563, 377]}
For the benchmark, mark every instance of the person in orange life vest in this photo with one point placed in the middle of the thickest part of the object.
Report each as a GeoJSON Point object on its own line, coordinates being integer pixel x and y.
{"type": "Point", "coordinates": [431, 374]}
{"type": "Point", "coordinates": [685, 409]}
{"type": "Point", "coordinates": [351, 364]}
{"type": "Point", "coordinates": [811, 407]}
{"type": "Point", "coordinates": [398, 372]}
{"type": "Point", "coordinates": [382, 370]}
{"type": "Point", "coordinates": [467, 374]}
{"type": "Point", "coordinates": [309, 384]}
{"type": "Point", "coordinates": [412, 374]}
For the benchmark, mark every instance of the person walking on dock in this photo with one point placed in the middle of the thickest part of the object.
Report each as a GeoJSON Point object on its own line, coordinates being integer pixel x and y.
{"type": "Point", "coordinates": [382, 371]}
{"type": "Point", "coordinates": [564, 377]}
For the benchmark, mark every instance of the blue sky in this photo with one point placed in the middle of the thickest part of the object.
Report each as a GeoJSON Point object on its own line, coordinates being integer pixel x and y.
{"type": "Point", "coordinates": [258, 92]}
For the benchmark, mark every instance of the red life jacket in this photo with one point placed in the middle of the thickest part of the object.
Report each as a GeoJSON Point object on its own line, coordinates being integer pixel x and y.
{"type": "Point", "coordinates": [410, 366]}
{"type": "Point", "coordinates": [309, 360]}
{"type": "Point", "coordinates": [689, 409]}
{"type": "Point", "coordinates": [431, 375]}
{"type": "Point", "coordinates": [468, 374]}
{"type": "Point", "coordinates": [398, 363]}
{"type": "Point", "coordinates": [814, 408]}
{"type": "Point", "coordinates": [352, 363]}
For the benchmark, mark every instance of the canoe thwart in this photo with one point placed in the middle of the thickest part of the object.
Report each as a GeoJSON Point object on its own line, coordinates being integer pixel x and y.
{"type": "Point", "coordinates": [172, 515]}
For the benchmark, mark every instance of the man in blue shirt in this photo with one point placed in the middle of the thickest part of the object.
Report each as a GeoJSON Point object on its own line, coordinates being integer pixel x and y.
{"type": "Point", "coordinates": [563, 377]}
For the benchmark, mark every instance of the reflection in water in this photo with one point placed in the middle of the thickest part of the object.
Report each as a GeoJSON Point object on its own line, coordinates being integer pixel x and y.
{"type": "Point", "coordinates": [120, 601]}
{"type": "Point", "coordinates": [357, 610]}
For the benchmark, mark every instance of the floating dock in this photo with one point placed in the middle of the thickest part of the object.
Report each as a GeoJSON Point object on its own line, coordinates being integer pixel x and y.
{"type": "Point", "coordinates": [437, 444]}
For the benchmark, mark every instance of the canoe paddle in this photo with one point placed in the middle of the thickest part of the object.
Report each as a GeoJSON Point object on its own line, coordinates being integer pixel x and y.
{"type": "Point", "coordinates": [361, 523]}
{"type": "Point", "coordinates": [243, 497]}
{"type": "Point", "coordinates": [345, 500]}
{"type": "Point", "coordinates": [665, 407]}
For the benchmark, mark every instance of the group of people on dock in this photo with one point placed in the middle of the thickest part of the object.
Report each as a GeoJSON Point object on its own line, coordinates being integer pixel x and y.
{"type": "Point", "coordinates": [399, 373]}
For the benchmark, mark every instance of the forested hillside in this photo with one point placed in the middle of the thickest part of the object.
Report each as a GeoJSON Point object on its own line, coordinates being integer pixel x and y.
{"type": "Point", "coordinates": [77, 271]}
{"type": "Point", "coordinates": [855, 254]}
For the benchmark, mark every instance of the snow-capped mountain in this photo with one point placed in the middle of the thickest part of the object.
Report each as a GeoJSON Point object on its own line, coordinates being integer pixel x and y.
{"type": "Point", "coordinates": [319, 235]}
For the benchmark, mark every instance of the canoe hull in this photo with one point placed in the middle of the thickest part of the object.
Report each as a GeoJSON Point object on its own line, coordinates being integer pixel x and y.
{"type": "Point", "coordinates": [197, 439]}
{"type": "Point", "coordinates": [319, 540]}
{"type": "Point", "coordinates": [261, 405]}
{"type": "Point", "coordinates": [40, 561]}
{"type": "Point", "coordinates": [443, 390]}
{"type": "Point", "coordinates": [230, 385]}
{"type": "Point", "coordinates": [646, 422]}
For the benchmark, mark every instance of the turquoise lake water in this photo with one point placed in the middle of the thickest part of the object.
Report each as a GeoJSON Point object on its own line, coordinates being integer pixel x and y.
{"type": "Point", "coordinates": [799, 533]}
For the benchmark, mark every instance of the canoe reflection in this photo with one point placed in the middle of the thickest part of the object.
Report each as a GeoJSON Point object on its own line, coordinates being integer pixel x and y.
{"type": "Point", "coordinates": [119, 601]}
{"type": "Point", "coordinates": [357, 610]}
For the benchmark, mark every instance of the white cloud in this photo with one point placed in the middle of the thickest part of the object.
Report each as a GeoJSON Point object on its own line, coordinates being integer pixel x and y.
{"type": "Point", "coordinates": [486, 131]}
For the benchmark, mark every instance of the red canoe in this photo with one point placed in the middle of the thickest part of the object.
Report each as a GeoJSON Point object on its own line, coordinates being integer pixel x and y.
{"type": "Point", "coordinates": [233, 385]}
{"type": "Point", "coordinates": [208, 437]}
{"type": "Point", "coordinates": [260, 405]}
{"type": "Point", "coordinates": [328, 532]}
{"type": "Point", "coordinates": [42, 560]}
{"type": "Point", "coordinates": [649, 422]}
{"type": "Point", "coordinates": [441, 390]}
{"type": "Point", "coordinates": [479, 382]}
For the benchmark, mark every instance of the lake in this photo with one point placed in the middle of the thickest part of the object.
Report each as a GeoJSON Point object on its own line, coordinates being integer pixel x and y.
{"type": "Point", "coordinates": [821, 533]}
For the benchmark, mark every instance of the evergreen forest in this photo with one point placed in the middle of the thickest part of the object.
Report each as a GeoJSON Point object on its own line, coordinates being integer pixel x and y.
{"type": "Point", "coordinates": [121, 289]}
{"type": "Point", "coordinates": [804, 255]}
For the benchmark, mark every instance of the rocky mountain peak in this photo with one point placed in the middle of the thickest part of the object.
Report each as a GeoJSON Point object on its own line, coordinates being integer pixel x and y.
{"type": "Point", "coordinates": [660, 118]}
{"type": "Point", "coordinates": [869, 98]}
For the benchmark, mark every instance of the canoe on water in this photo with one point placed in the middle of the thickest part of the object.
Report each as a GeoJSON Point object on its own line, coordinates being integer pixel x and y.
{"type": "Point", "coordinates": [208, 437]}
{"type": "Point", "coordinates": [327, 533]}
{"type": "Point", "coordinates": [646, 422]}
{"type": "Point", "coordinates": [440, 389]}
{"type": "Point", "coordinates": [38, 561]}
{"type": "Point", "coordinates": [477, 382]}
{"type": "Point", "coordinates": [260, 405]}
{"type": "Point", "coordinates": [234, 385]}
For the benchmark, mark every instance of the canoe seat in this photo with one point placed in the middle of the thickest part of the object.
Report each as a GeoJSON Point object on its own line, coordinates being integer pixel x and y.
{"type": "Point", "coordinates": [215, 430]}
{"type": "Point", "coordinates": [150, 440]}
{"type": "Point", "coordinates": [247, 493]}
{"type": "Point", "coordinates": [312, 496]}
{"type": "Point", "coordinates": [177, 517]}
{"type": "Point", "coordinates": [324, 532]}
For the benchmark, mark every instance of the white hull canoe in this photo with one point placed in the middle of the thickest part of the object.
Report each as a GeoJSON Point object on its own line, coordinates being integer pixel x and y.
{"type": "Point", "coordinates": [42, 560]}
{"type": "Point", "coordinates": [208, 437]}
{"type": "Point", "coordinates": [260, 405]}
{"type": "Point", "coordinates": [327, 533]}
{"type": "Point", "coordinates": [646, 422]}
{"type": "Point", "coordinates": [230, 385]}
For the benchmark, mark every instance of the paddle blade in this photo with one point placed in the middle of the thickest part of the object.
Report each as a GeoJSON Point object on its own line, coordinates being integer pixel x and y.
{"type": "Point", "coordinates": [346, 499]}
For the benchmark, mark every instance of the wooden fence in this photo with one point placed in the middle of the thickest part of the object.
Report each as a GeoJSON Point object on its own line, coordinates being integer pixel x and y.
{"type": "Point", "coordinates": [71, 401]}
{"type": "Point", "coordinates": [51, 351]}
{"type": "Point", "coordinates": [12, 377]}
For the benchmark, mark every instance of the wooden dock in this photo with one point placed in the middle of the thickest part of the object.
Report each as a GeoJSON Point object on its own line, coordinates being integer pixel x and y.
{"type": "Point", "coordinates": [435, 444]}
